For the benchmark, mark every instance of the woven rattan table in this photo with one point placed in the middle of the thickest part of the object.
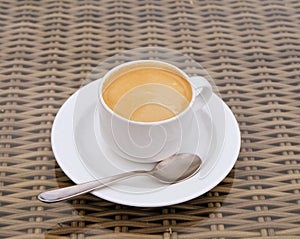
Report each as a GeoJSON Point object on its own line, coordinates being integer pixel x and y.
{"type": "Point", "coordinates": [250, 48]}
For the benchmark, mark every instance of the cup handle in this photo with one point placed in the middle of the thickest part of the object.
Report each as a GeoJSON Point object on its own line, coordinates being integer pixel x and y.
{"type": "Point", "coordinates": [203, 91]}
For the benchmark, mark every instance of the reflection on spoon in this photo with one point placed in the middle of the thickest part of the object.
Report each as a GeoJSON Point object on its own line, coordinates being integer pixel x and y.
{"type": "Point", "coordinates": [171, 170]}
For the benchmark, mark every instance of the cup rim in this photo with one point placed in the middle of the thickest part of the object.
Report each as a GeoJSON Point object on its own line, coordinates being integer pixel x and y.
{"type": "Point", "coordinates": [118, 67]}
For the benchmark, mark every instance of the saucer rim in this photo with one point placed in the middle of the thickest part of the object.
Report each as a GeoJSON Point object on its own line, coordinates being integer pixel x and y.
{"type": "Point", "coordinates": [114, 196]}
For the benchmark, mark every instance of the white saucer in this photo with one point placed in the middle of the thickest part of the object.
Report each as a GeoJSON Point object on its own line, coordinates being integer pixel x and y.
{"type": "Point", "coordinates": [83, 155]}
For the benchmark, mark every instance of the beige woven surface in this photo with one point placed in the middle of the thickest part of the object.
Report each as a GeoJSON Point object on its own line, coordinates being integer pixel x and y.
{"type": "Point", "coordinates": [250, 48]}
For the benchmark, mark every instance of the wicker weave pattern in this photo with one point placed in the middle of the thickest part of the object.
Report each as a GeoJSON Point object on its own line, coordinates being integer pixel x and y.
{"type": "Point", "coordinates": [250, 48]}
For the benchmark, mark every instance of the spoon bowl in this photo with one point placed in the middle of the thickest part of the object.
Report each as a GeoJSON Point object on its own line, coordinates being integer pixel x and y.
{"type": "Point", "coordinates": [173, 169]}
{"type": "Point", "coordinates": [176, 168]}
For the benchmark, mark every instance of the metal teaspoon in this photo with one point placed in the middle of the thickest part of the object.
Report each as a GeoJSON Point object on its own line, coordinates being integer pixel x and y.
{"type": "Point", "coordinates": [173, 169]}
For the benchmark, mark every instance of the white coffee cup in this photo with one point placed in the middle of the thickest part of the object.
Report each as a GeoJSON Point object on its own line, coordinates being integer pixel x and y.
{"type": "Point", "coordinates": [148, 142]}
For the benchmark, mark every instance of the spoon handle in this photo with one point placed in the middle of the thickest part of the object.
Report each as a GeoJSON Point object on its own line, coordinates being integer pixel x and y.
{"type": "Point", "coordinates": [60, 194]}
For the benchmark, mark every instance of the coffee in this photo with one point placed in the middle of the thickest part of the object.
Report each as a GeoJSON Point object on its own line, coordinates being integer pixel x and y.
{"type": "Point", "coordinates": [147, 94]}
